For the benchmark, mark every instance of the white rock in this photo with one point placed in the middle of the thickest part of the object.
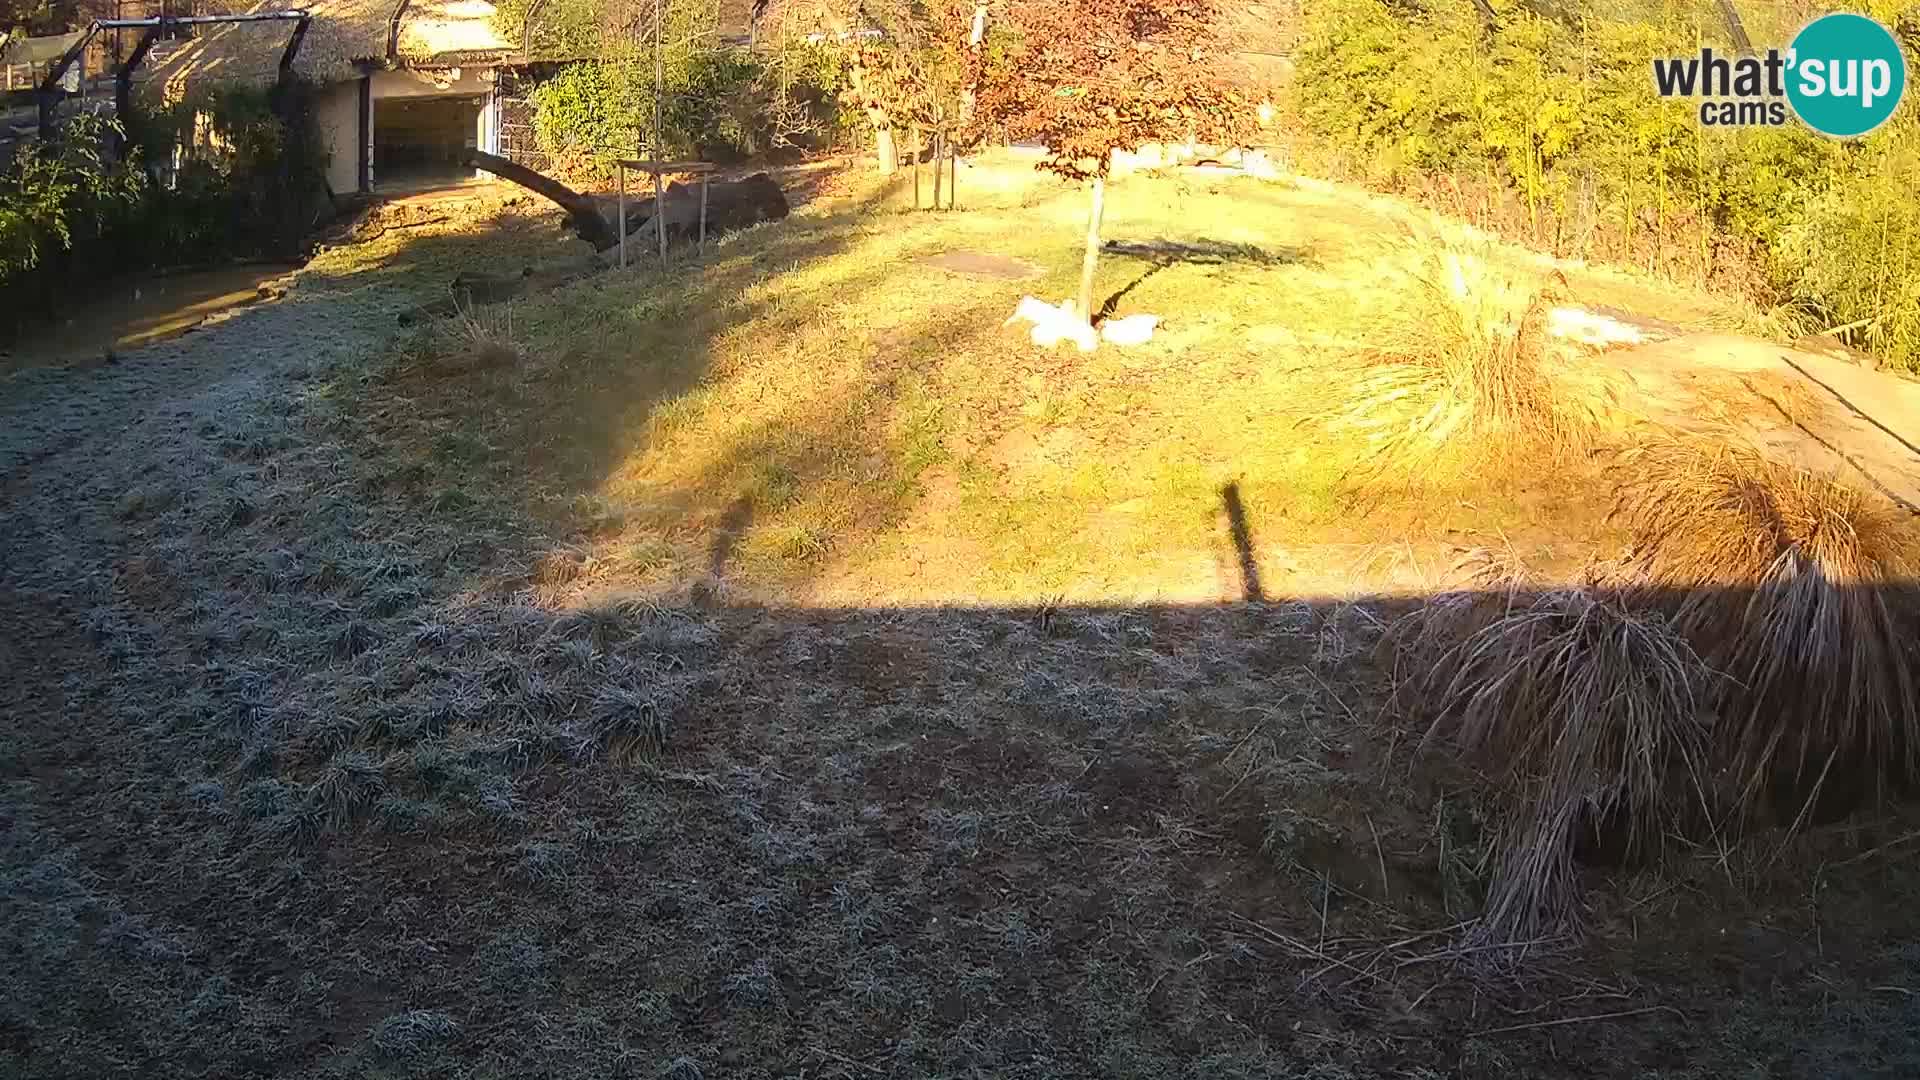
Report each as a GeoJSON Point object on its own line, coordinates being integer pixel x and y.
{"type": "Point", "coordinates": [1132, 330]}
{"type": "Point", "coordinates": [1053, 324]}
{"type": "Point", "coordinates": [1588, 328]}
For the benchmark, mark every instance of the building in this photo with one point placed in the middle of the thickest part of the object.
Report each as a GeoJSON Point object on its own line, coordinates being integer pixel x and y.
{"type": "Point", "coordinates": [24, 61]}
{"type": "Point", "coordinates": [405, 86]}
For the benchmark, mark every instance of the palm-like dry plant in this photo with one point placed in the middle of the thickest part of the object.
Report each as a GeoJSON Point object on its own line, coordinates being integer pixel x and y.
{"type": "Point", "coordinates": [1466, 359]}
{"type": "Point", "coordinates": [1797, 586]}
{"type": "Point", "coordinates": [1587, 713]}
{"type": "Point", "coordinates": [478, 339]}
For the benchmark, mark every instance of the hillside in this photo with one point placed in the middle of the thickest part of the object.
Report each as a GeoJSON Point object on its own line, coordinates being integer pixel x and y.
{"type": "Point", "coordinates": [774, 666]}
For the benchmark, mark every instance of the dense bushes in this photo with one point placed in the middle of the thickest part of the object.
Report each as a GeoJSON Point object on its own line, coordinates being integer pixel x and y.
{"type": "Point", "coordinates": [719, 104]}
{"type": "Point", "coordinates": [1547, 126]}
{"type": "Point", "coordinates": [246, 181]}
{"type": "Point", "coordinates": [250, 180]}
{"type": "Point", "coordinates": [59, 196]}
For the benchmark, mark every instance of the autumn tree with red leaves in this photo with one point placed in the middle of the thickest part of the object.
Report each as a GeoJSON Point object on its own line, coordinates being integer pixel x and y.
{"type": "Point", "coordinates": [907, 62]}
{"type": "Point", "coordinates": [1086, 78]}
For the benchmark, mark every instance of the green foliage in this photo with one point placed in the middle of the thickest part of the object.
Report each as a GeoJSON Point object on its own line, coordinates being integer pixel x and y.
{"type": "Point", "coordinates": [250, 176]}
{"type": "Point", "coordinates": [562, 29]}
{"type": "Point", "coordinates": [1854, 256]}
{"type": "Point", "coordinates": [720, 104]}
{"type": "Point", "coordinates": [248, 183]}
{"type": "Point", "coordinates": [593, 108]}
{"type": "Point", "coordinates": [55, 195]}
{"type": "Point", "coordinates": [1547, 126]}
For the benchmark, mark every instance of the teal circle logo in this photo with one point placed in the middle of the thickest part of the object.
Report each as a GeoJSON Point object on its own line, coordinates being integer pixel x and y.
{"type": "Point", "coordinates": [1845, 75]}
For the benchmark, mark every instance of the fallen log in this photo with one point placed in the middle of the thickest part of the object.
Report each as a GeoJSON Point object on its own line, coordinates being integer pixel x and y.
{"type": "Point", "coordinates": [731, 205]}
{"type": "Point", "coordinates": [581, 210]}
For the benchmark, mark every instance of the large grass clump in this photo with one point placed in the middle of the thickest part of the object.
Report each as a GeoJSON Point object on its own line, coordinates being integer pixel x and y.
{"type": "Point", "coordinates": [1586, 713]}
{"type": "Point", "coordinates": [1801, 589]}
{"type": "Point", "coordinates": [1463, 361]}
{"type": "Point", "coordinates": [1750, 659]}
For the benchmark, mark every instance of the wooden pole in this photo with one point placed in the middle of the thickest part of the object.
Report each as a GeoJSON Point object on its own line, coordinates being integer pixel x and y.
{"type": "Point", "coordinates": [623, 216]}
{"type": "Point", "coordinates": [659, 75]}
{"type": "Point", "coordinates": [939, 167]}
{"type": "Point", "coordinates": [916, 165]}
{"type": "Point", "coordinates": [660, 211]}
{"type": "Point", "coordinates": [1092, 260]}
{"type": "Point", "coordinates": [703, 213]}
{"type": "Point", "coordinates": [659, 125]}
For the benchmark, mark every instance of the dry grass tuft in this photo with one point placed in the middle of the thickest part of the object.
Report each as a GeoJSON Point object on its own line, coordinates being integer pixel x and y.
{"type": "Point", "coordinates": [1589, 716]}
{"type": "Point", "coordinates": [1801, 588]}
{"type": "Point", "coordinates": [478, 339]}
{"type": "Point", "coordinates": [1465, 359]}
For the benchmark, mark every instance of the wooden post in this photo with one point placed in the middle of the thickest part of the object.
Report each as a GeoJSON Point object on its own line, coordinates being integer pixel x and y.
{"type": "Point", "coordinates": [703, 213]}
{"type": "Point", "coordinates": [916, 164]}
{"type": "Point", "coordinates": [623, 216]}
{"type": "Point", "coordinates": [659, 76]}
{"type": "Point", "coordinates": [660, 211]}
{"type": "Point", "coordinates": [659, 125]}
{"type": "Point", "coordinates": [1092, 261]}
{"type": "Point", "coordinates": [939, 167]}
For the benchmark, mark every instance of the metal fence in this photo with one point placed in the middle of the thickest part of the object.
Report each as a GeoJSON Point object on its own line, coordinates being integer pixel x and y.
{"type": "Point", "coordinates": [519, 142]}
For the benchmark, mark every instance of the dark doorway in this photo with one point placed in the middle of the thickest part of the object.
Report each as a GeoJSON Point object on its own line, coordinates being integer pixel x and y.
{"type": "Point", "coordinates": [418, 140]}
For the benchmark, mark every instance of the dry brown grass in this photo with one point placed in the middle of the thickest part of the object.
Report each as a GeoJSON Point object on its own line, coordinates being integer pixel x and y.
{"type": "Point", "coordinates": [1463, 360]}
{"type": "Point", "coordinates": [1586, 713]}
{"type": "Point", "coordinates": [1797, 586]}
{"type": "Point", "coordinates": [478, 338]}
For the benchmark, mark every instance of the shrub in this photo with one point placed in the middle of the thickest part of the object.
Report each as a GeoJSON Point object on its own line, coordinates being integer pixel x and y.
{"type": "Point", "coordinates": [58, 201]}
{"type": "Point", "coordinates": [250, 184]}
{"type": "Point", "coordinates": [1854, 257]}
{"type": "Point", "coordinates": [719, 105]}
{"type": "Point", "coordinates": [1587, 713]}
{"type": "Point", "coordinates": [1800, 589]}
{"type": "Point", "coordinates": [1543, 126]}
{"type": "Point", "coordinates": [1464, 360]}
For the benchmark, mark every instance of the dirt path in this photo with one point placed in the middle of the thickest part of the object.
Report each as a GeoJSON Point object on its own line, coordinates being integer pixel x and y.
{"type": "Point", "coordinates": [143, 311]}
{"type": "Point", "coordinates": [1829, 414]}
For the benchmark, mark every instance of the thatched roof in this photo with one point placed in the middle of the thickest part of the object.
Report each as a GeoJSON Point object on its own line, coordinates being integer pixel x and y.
{"type": "Point", "coordinates": [344, 35]}
{"type": "Point", "coordinates": [36, 50]}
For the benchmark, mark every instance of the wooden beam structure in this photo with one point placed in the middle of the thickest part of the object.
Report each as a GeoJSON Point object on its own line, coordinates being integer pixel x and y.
{"type": "Point", "coordinates": [703, 169]}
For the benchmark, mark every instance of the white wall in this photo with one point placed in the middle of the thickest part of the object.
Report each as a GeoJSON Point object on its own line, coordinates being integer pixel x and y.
{"type": "Point", "coordinates": [337, 114]}
{"type": "Point", "coordinates": [486, 131]}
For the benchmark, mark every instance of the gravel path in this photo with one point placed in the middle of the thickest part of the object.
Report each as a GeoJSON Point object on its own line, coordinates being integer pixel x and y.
{"type": "Point", "coordinates": [104, 414]}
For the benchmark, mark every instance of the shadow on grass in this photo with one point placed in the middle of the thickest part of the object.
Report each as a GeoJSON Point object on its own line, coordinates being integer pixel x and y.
{"type": "Point", "coordinates": [1163, 254]}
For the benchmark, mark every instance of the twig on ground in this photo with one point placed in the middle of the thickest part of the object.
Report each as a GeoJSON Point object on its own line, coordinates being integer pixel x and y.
{"type": "Point", "coordinates": [1386, 890]}
{"type": "Point", "coordinates": [1243, 779]}
{"type": "Point", "coordinates": [1336, 698]}
{"type": "Point", "coordinates": [1576, 1020]}
{"type": "Point", "coordinates": [845, 1060]}
{"type": "Point", "coordinates": [1871, 852]}
{"type": "Point", "coordinates": [1301, 948]}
